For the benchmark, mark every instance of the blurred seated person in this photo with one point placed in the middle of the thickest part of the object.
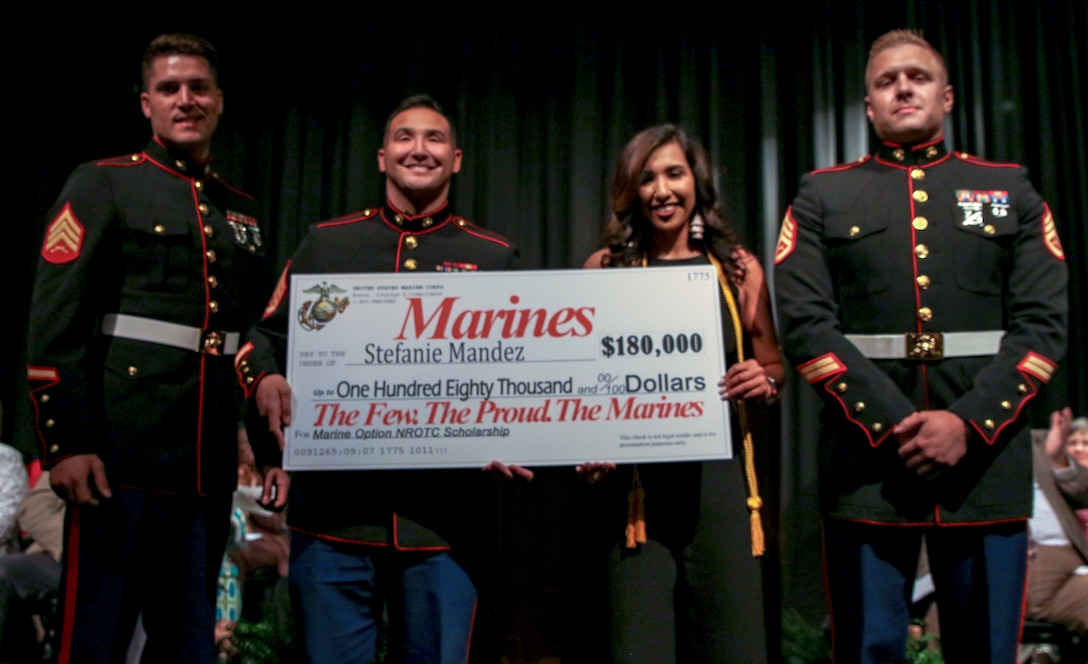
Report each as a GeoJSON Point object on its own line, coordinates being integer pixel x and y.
{"type": "Point", "coordinates": [28, 579]}
{"type": "Point", "coordinates": [1058, 571]}
{"type": "Point", "coordinates": [266, 540]}
{"type": "Point", "coordinates": [258, 539]}
{"type": "Point", "coordinates": [13, 486]}
{"type": "Point", "coordinates": [1077, 447]}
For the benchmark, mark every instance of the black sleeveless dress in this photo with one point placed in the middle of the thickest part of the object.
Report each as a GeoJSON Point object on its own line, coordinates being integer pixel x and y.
{"type": "Point", "coordinates": [693, 591]}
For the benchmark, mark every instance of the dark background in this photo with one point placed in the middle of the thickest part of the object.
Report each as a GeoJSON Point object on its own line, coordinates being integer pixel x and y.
{"type": "Point", "coordinates": [544, 101]}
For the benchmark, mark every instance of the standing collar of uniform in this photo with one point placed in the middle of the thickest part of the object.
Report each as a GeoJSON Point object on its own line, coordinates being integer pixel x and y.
{"type": "Point", "coordinates": [178, 161]}
{"type": "Point", "coordinates": [408, 223]}
{"type": "Point", "coordinates": [918, 154]}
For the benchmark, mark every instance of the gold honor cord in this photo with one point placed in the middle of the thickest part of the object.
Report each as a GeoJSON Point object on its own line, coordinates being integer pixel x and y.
{"type": "Point", "coordinates": [636, 515]}
{"type": "Point", "coordinates": [754, 501]}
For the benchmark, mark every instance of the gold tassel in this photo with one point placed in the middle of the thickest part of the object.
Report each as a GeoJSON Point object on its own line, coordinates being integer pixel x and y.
{"type": "Point", "coordinates": [754, 501]}
{"type": "Point", "coordinates": [636, 513]}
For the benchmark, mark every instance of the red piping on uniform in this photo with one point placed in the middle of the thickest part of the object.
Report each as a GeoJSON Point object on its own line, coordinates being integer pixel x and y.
{"type": "Point", "coordinates": [480, 235]}
{"type": "Point", "coordinates": [278, 294]}
{"type": "Point", "coordinates": [925, 388]}
{"type": "Point", "coordinates": [54, 379]}
{"type": "Point", "coordinates": [200, 429]}
{"type": "Point", "coordinates": [398, 547]}
{"type": "Point", "coordinates": [903, 167]}
{"type": "Point", "coordinates": [330, 538]}
{"type": "Point", "coordinates": [167, 168]}
{"type": "Point", "coordinates": [1014, 417]}
{"type": "Point", "coordinates": [203, 357]}
{"type": "Point", "coordinates": [914, 254]}
{"type": "Point", "coordinates": [846, 410]}
{"type": "Point", "coordinates": [71, 564]}
{"type": "Point", "coordinates": [928, 524]}
{"type": "Point", "coordinates": [1023, 609]}
{"type": "Point", "coordinates": [843, 167]}
{"type": "Point", "coordinates": [203, 249]}
{"type": "Point", "coordinates": [123, 160]}
{"type": "Point", "coordinates": [342, 221]}
{"type": "Point", "coordinates": [967, 524]}
{"type": "Point", "coordinates": [471, 626]}
{"type": "Point", "coordinates": [231, 187]}
{"type": "Point", "coordinates": [408, 217]}
{"type": "Point", "coordinates": [978, 161]}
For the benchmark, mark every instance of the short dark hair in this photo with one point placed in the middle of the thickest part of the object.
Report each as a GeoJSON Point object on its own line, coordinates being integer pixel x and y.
{"type": "Point", "coordinates": [179, 44]}
{"type": "Point", "coordinates": [901, 37]}
{"type": "Point", "coordinates": [419, 101]}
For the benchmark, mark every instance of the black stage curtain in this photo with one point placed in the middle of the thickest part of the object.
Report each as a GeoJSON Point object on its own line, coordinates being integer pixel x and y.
{"type": "Point", "coordinates": [543, 106]}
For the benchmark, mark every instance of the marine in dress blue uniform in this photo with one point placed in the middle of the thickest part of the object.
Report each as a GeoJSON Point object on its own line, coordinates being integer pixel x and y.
{"type": "Point", "coordinates": [148, 272]}
{"type": "Point", "coordinates": [364, 537]}
{"type": "Point", "coordinates": [922, 294]}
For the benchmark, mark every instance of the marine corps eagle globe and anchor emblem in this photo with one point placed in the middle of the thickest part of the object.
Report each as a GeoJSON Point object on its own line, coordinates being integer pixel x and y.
{"type": "Point", "coordinates": [316, 315]}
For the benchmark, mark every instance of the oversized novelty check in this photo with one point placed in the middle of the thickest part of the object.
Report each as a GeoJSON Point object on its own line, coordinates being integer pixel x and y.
{"type": "Point", "coordinates": [534, 368]}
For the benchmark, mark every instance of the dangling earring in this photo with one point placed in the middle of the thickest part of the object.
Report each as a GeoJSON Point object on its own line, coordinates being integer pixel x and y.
{"type": "Point", "coordinates": [696, 226]}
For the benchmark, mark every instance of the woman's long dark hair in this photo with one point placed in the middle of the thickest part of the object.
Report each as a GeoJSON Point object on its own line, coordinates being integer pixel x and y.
{"type": "Point", "coordinates": [629, 235]}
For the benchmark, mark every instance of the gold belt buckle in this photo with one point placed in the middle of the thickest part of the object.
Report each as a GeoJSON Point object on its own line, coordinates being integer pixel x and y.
{"type": "Point", "coordinates": [211, 341]}
{"type": "Point", "coordinates": [925, 346]}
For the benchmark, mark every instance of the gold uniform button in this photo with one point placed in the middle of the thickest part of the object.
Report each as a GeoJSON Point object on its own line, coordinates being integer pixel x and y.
{"type": "Point", "coordinates": [860, 406]}
{"type": "Point", "coordinates": [159, 228]}
{"type": "Point", "coordinates": [211, 255]}
{"type": "Point", "coordinates": [931, 152]}
{"type": "Point", "coordinates": [841, 387]}
{"type": "Point", "coordinates": [921, 251]}
{"type": "Point", "coordinates": [249, 380]}
{"type": "Point", "coordinates": [461, 223]}
{"type": "Point", "coordinates": [132, 371]}
{"type": "Point", "coordinates": [917, 174]}
{"type": "Point", "coordinates": [44, 398]}
{"type": "Point", "coordinates": [427, 222]}
{"type": "Point", "coordinates": [399, 219]}
{"type": "Point", "coordinates": [199, 185]}
{"type": "Point", "coordinates": [49, 424]}
{"type": "Point", "coordinates": [180, 164]}
{"type": "Point", "coordinates": [54, 448]}
{"type": "Point", "coordinates": [899, 154]}
{"type": "Point", "coordinates": [878, 427]}
{"type": "Point", "coordinates": [854, 230]}
{"type": "Point", "coordinates": [411, 242]}
{"type": "Point", "coordinates": [923, 281]}
{"type": "Point", "coordinates": [208, 231]}
{"type": "Point", "coordinates": [410, 264]}
{"type": "Point", "coordinates": [920, 223]}
{"type": "Point", "coordinates": [989, 424]}
{"type": "Point", "coordinates": [135, 157]}
{"type": "Point", "coordinates": [989, 229]}
{"type": "Point", "coordinates": [1005, 405]}
{"type": "Point", "coordinates": [203, 207]}
{"type": "Point", "coordinates": [1022, 389]}
{"type": "Point", "coordinates": [366, 212]}
{"type": "Point", "coordinates": [213, 306]}
{"type": "Point", "coordinates": [920, 196]}
{"type": "Point", "coordinates": [926, 314]}
{"type": "Point", "coordinates": [212, 281]}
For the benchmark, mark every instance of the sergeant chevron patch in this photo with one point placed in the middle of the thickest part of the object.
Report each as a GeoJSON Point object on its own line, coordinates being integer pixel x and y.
{"type": "Point", "coordinates": [787, 238]}
{"type": "Point", "coordinates": [1050, 235]}
{"type": "Point", "coordinates": [63, 238]}
{"type": "Point", "coordinates": [278, 293]}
